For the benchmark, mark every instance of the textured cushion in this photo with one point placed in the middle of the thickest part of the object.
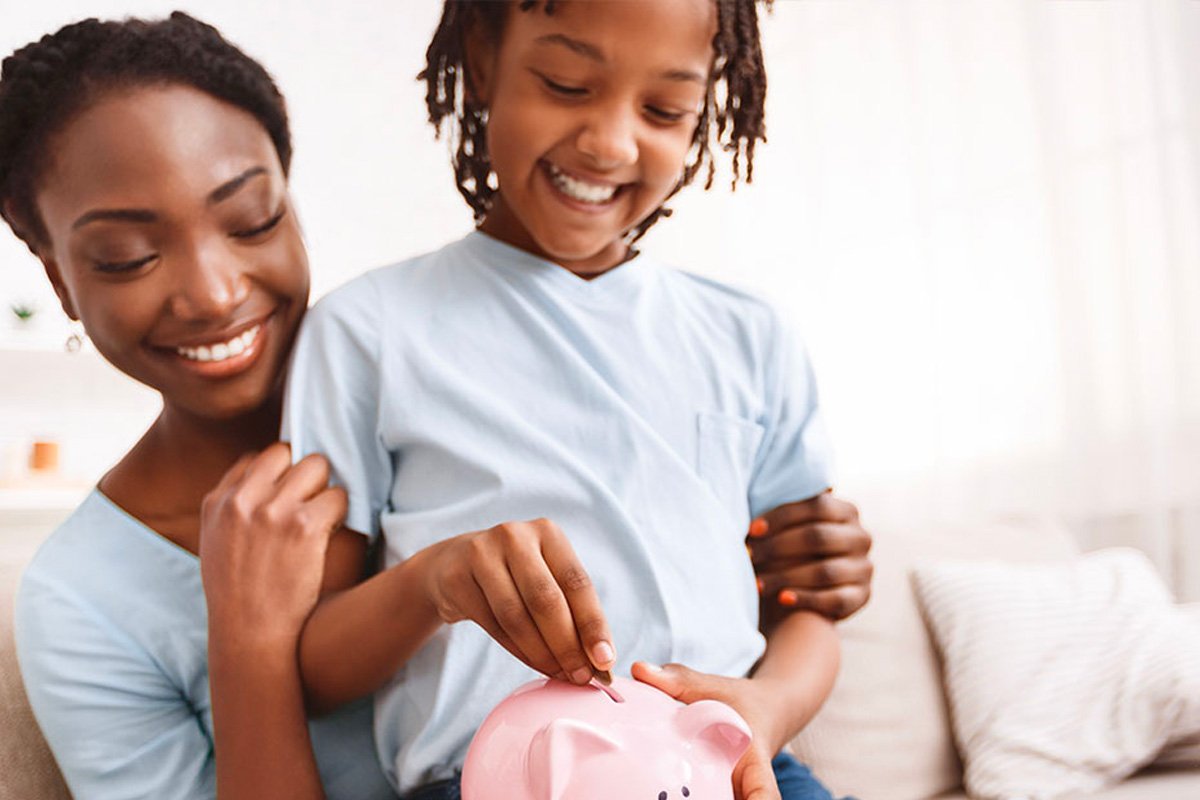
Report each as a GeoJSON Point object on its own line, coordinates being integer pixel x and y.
{"type": "Point", "coordinates": [1185, 752]}
{"type": "Point", "coordinates": [1062, 678]}
{"type": "Point", "coordinates": [27, 770]}
{"type": "Point", "coordinates": [885, 732]}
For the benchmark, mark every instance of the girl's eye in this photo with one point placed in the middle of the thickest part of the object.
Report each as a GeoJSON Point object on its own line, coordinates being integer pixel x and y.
{"type": "Point", "coordinates": [124, 266]}
{"type": "Point", "coordinates": [266, 226]}
{"type": "Point", "coordinates": [662, 115]}
{"type": "Point", "coordinates": [563, 89]}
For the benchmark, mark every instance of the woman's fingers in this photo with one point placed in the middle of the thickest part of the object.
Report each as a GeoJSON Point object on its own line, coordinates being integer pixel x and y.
{"type": "Point", "coordinates": [810, 540]}
{"type": "Point", "coordinates": [817, 575]}
{"type": "Point", "coordinates": [304, 479]}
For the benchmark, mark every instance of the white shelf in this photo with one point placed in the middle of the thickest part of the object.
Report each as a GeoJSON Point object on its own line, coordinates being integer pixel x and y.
{"type": "Point", "coordinates": [38, 499]}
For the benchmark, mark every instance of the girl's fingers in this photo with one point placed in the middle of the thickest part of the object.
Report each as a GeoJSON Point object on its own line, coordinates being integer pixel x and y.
{"type": "Point", "coordinates": [507, 607]}
{"type": "Point", "coordinates": [589, 625]}
{"type": "Point", "coordinates": [548, 608]}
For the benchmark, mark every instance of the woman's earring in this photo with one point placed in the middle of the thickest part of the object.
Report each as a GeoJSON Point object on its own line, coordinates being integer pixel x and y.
{"type": "Point", "coordinates": [76, 338]}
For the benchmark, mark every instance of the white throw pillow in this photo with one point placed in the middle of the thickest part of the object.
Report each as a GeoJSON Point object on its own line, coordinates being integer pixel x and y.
{"type": "Point", "coordinates": [1062, 678]}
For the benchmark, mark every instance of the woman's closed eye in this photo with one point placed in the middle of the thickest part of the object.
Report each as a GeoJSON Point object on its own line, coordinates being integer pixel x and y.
{"type": "Point", "coordinates": [258, 230]}
{"type": "Point", "coordinates": [124, 266]}
{"type": "Point", "coordinates": [665, 115]}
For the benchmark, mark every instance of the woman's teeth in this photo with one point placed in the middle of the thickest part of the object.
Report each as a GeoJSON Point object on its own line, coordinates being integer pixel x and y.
{"type": "Point", "coordinates": [222, 350]}
{"type": "Point", "coordinates": [580, 190]}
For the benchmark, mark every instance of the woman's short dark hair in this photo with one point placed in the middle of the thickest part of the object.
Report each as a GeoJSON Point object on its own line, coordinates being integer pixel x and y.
{"type": "Point", "coordinates": [732, 118]}
{"type": "Point", "coordinates": [46, 83]}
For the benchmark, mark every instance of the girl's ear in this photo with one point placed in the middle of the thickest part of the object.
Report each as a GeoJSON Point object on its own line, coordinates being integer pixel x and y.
{"type": "Point", "coordinates": [479, 57]}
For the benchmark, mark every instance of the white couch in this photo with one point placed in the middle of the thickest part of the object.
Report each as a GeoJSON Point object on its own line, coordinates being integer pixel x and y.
{"type": "Point", "coordinates": [883, 735]}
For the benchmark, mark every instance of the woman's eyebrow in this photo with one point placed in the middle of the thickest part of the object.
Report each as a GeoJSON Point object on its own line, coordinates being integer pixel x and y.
{"type": "Point", "coordinates": [118, 214]}
{"type": "Point", "coordinates": [593, 53]}
{"type": "Point", "coordinates": [230, 187]}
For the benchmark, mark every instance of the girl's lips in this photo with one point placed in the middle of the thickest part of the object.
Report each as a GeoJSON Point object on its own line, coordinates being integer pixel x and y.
{"type": "Point", "coordinates": [576, 204]}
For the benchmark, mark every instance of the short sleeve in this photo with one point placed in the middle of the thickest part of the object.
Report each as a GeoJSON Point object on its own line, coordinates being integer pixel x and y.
{"type": "Point", "coordinates": [794, 460]}
{"type": "Point", "coordinates": [332, 404]}
{"type": "Point", "coordinates": [118, 727]}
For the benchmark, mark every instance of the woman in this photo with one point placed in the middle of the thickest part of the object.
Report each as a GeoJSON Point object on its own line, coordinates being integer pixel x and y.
{"type": "Point", "coordinates": [145, 164]}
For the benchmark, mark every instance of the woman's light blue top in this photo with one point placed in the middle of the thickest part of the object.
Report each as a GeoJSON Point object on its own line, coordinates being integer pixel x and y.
{"type": "Point", "coordinates": [648, 412]}
{"type": "Point", "coordinates": [112, 638]}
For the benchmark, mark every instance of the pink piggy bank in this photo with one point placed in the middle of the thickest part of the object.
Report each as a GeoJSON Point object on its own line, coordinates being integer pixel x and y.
{"type": "Point", "coordinates": [552, 740]}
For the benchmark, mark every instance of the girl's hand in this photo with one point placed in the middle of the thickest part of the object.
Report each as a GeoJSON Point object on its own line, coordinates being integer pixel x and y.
{"type": "Point", "coordinates": [753, 777]}
{"type": "Point", "coordinates": [812, 555]}
{"type": "Point", "coordinates": [263, 534]}
{"type": "Point", "coordinates": [523, 584]}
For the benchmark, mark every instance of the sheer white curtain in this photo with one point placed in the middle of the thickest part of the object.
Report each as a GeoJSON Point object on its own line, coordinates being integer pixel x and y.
{"type": "Point", "coordinates": [995, 252]}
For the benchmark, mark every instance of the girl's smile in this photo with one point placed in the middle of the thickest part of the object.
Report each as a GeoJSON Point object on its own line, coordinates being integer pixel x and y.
{"type": "Point", "coordinates": [592, 112]}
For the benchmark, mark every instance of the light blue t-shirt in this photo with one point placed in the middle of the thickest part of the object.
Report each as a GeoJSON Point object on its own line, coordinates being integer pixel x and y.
{"type": "Point", "coordinates": [648, 412]}
{"type": "Point", "coordinates": [112, 639]}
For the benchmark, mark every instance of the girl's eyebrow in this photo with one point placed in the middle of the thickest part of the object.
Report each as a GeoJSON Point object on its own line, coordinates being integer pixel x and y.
{"type": "Point", "coordinates": [592, 53]}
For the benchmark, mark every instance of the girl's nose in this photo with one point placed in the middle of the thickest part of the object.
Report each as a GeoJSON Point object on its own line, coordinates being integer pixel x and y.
{"type": "Point", "coordinates": [609, 139]}
{"type": "Point", "coordinates": [212, 283]}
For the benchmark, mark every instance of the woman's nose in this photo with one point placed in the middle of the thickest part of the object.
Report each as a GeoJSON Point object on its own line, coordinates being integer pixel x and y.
{"type": "Point", "coordinates": [212, 283]}
{"type": "Point", "coordinates": [609, 139]}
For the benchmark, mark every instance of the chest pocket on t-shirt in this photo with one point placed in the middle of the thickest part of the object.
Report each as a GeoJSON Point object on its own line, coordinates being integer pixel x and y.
{"type": "Point", "coordinates": [726, 448]}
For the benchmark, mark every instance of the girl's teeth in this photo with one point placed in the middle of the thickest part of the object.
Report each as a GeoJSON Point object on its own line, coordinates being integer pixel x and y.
{"type": "Point", "coordinates": [222, 350]}
{"type": "Point", "coordinates": [580, 190]}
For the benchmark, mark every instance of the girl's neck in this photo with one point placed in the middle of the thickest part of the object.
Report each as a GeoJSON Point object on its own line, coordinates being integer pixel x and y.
{"type": "Point", "coordinates": [501, 223]}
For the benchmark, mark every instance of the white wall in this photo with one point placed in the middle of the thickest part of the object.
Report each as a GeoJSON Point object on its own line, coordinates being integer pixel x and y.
{"type": "Point", "coordinates": [984, 217]}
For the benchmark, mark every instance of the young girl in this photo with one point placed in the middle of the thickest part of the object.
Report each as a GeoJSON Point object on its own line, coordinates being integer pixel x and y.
{"type": "Point", "coordinates": [145, 165]}
{"type": "Point", "coordinates": [540, 369]}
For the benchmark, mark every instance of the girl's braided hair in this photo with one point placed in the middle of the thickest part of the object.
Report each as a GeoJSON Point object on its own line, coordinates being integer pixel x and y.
{"type": "Point", "coordinates": [732, 117]}
{"type": "Point", "coordinates": [46, 83]}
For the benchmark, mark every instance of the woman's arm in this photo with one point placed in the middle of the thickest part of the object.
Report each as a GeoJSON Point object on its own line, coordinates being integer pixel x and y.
{"type": "Point", "coordinates": [265, 532]}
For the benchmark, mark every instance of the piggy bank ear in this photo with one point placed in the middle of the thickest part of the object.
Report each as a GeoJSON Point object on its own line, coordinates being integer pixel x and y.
{"type": "Point", "coordinates": [555, 751]}
{"type": "Point", "coordinates": [717, 725]}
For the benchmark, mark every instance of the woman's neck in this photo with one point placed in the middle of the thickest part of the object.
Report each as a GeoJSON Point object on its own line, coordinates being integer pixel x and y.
{"type": "Point", "coordinates": [162, 481]}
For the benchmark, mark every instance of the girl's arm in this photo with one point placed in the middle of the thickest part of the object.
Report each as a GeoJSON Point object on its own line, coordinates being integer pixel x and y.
{"type": "Point", "coordinates": [265, 530]}
{"type": "Point", "coordinates": [520, 581]}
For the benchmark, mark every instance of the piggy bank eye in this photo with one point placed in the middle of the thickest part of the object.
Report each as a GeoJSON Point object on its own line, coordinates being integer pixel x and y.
{"type": "Point", "coordinates": [662, 796]}
{"type": "Point", "coordinates": [686, 793]}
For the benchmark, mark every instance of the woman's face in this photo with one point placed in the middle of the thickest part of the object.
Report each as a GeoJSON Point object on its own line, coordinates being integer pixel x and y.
{"type": "Point", "coordinates": [171, 236]}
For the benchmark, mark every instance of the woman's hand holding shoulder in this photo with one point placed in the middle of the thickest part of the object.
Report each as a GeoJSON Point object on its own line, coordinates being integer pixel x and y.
{"type": "Point", "coordinates": [264, 531]}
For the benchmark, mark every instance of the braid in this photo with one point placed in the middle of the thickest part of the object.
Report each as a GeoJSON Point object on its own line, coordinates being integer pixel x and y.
{"type": "Point", "coordinates": [46, 83]}
{"type": "Point", "coordinates": [732, 117]}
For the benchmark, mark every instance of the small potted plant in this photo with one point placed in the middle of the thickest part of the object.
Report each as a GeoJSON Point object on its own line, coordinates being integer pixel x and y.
{"type": "Point", "coordinates": [24, 313]}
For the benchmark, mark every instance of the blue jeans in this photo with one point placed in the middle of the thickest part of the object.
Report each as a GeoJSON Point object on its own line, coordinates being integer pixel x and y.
{"type": "Point", "coordinates": [796, 782]}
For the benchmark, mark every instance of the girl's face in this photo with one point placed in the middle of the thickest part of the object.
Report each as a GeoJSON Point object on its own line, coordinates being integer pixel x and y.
{"type": "Point", "coordinates": [171, 236]}
{"type": "Point", "coordinates": [591, 112]}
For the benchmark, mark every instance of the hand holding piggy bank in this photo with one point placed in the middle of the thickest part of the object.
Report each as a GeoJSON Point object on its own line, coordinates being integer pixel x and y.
{"type": "Point", "coordinates": [552, 740]}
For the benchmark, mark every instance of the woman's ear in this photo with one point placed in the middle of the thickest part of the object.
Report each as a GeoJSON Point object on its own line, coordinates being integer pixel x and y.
{"type": "Point", "coordinates": [23, 230]}
{"type": "Point", "coordinates": [479, 57]}
{"type": "Point", "coordinates": [60, 288]}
